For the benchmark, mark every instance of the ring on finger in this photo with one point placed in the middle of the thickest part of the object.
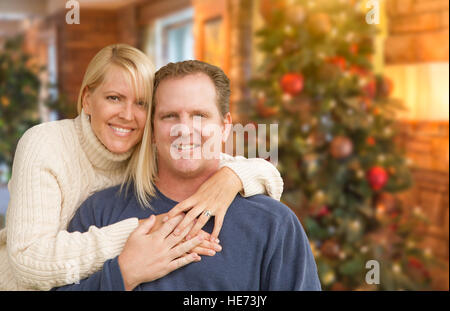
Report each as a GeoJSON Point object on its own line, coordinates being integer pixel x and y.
{"type": "Point", "coordinates": [208, 213]}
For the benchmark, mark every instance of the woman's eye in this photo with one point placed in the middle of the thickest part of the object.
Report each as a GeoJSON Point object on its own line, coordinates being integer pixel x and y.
{"type": "Point", "coordinates": [113, 98]}
{"type": "Point", "coordinates": [141, 103]}
{"type": "Point", "coordinates": [168, 116]}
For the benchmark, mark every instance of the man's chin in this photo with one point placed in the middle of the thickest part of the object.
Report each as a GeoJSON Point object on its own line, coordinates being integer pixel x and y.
{"type": "Point", "coordinates": [187, 167]}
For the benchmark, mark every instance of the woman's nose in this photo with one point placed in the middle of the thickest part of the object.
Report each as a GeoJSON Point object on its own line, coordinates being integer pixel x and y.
{"type": "Point", "coordinates": [127, 111]}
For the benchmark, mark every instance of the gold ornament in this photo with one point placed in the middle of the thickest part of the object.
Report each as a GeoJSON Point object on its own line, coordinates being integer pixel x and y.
{"type": "Point", "coordinates": [320, 23]}
{"type": "Point", "coordinates": [5, 101]}
{"type": "Point", "coordinates": [328, 278]}
{"type": "Point", "coordinates": [396, 268]}
{"type": "Point", "coordinates": [355, 225]}
{"type": "Point", "coordinates": [296, 15]}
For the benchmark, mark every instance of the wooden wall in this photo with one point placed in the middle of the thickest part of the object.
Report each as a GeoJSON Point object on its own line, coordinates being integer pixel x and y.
{"type": "Point", "coordinates": [419, 34]}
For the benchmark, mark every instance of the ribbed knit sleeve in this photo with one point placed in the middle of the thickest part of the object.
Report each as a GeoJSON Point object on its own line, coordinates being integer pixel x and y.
{"type": "Point", "coordinates": [258, 176]}
{"type": "Point", "coordinates": [41, 253]}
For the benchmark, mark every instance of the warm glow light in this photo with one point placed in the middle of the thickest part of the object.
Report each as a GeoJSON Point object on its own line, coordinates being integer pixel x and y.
{"type": "Point", "coordinates": [423, 88]}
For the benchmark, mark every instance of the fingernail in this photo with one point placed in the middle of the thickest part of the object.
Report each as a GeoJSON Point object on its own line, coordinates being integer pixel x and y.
{"type": "Point", "coordinates": [218, 248]}
{"type": "Point", "coordinates": [188, 238]}
{"type": "Point", "coordinates": [177, 231]}
{"type": "Point", "coordinates": [166, 218]}
{"type": "Point", "coordinates": [211, 253]}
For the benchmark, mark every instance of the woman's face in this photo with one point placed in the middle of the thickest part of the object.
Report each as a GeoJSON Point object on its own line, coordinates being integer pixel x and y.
{"type": "Point", "coordinates": [117, 116]}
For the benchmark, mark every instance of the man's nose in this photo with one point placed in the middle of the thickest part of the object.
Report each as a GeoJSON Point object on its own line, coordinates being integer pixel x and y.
{"type": "Point", "coordinates": [192, 123]}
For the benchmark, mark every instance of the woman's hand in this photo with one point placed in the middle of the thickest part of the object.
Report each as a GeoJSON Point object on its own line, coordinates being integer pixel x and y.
{"type": "Point", "coordinates": [215, 196]}
{"type": "Point", "coordinates": [148, 256]}
{"type": "Point", "coordinates": [206, 248]}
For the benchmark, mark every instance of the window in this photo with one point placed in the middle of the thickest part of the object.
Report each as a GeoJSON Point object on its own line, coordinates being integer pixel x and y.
{"type": "Point", "coordinates": [171, 38]}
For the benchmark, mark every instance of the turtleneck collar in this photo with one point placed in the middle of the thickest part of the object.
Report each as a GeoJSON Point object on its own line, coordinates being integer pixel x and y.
{"type": "Point", "coordinates": [97, 153]}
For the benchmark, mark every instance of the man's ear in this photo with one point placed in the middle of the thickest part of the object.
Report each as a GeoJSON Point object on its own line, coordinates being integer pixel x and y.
{"type": "Point", "coordinates": [86, 101]}
{"type": "Point", "coordinates": [228, 124]}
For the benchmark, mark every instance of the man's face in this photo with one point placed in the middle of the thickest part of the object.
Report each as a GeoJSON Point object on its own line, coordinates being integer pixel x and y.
{"type": "Point", "coordinates": [186, 115]}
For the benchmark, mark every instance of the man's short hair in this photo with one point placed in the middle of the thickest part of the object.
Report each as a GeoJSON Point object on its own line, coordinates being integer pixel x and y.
{"type": "Point", "coordinates": [189, 67]}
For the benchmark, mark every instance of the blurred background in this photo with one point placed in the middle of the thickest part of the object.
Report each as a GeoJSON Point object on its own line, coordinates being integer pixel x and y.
{"type": "Point", "coordinates": [359, 90]}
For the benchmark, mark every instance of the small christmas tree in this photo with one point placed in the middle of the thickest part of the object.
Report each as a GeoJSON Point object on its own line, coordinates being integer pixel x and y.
{"type": "Point", "coordinates": [19, 89]}
{"type": "Point", "coordinates": [336, 143]}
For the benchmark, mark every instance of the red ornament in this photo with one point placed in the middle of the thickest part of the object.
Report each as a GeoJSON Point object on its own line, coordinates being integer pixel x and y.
{"type": "Point", "coordinates": [354, 48]}
{"type": "Point", "coordinates": [377, 177]}
{"type": "Point", "coordinates": [292, 83]}
{"type": "Point", "coordinates": [338, 61]}
{"type": "Point", "coordinates": [264, 110]}
{"type": "Point", "coordinates": [376, 111]}
{"type": "Point", "coordinates": [393, 227]}
{"type": "Point", "coordinates": [370, 141]}
{"type": "Point", "coordinates": [415, 263]}
{"type": "Point", "coordinates": [324, 211]}
{"type": "Point", "coordinates": [338, 286]}
{"type": "Point", "coordinates": [370, 89]}
{"type": "Point", "coordinates": [357, 70]}
{"type": "Point", "coordinates": [341, 147]}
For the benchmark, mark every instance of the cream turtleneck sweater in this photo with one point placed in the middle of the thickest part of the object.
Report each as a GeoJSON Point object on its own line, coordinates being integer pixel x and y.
{"type": "Point", "coordinates": [57, 166]}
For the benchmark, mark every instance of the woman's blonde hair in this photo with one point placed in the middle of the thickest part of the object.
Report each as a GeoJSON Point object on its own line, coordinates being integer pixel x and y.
{"type": "Point", "coordinates": [141, 169]}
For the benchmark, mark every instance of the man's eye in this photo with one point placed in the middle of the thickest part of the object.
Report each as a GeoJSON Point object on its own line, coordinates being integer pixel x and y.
{"type": "Point", "coordinates": [201, 115]}
{"type": "Point", "coordinates": [113, 98]}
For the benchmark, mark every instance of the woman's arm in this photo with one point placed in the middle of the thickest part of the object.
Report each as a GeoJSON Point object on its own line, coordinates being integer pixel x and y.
{"type": "Point", "coordinates": [252, 176]}
{"type": "Point", "coordinates": [138, 263]}
{"type": "Point", "coordinates": [258, 176]}
{"type": "Point", "coordinates": [41, 253]}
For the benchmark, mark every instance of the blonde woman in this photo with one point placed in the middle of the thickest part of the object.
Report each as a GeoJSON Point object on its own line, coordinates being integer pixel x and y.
{"type": "Point", "coordinates": [59, 164]}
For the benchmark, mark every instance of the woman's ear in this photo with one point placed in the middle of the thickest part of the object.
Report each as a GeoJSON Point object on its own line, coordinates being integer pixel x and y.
{"type": "Point", "coordinates": [228, 124]}
{"type": "Point", "coordinates": [86, 101]}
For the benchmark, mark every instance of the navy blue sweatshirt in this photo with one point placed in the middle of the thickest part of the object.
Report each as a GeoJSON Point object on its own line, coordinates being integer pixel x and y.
{"type": "Point", "coordinates": [264, 247]}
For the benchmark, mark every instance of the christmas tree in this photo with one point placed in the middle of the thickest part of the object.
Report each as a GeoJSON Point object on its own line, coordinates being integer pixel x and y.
{"type": "Point", "coordinates": [337, 153]}
{"type": "Point", "coordinates": [19, 91]}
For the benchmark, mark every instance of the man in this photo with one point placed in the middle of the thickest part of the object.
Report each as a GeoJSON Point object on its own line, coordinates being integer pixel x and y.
{"type": "Point", "coordinates": [264, 244]}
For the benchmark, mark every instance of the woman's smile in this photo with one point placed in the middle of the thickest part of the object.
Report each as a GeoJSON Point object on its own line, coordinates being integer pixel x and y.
{"type": "Point", "coordinates": [121, 131]}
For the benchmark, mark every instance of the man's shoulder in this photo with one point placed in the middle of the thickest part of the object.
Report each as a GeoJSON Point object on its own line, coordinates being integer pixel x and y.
{"type": "Point", "coordinates": [111, 194]}
{"type": "Point", "coordinates": [265, 206]}
{"type": "Point", "coordinates": [107, 200]}
{"type": "Point", "coordinates": [102, 206]}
